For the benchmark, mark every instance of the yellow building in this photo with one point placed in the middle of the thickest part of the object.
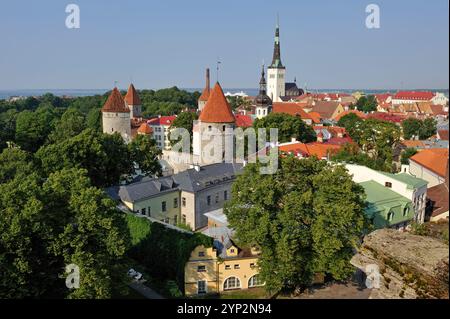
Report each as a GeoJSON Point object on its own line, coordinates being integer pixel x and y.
{"type": "Point", "coordinates": [222, 268]}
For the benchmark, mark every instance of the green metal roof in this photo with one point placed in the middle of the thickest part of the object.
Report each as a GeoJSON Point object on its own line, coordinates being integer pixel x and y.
{"type": "Point", "coordinates": [411, 181]}
{"type": "Point", "coordinates": [381, 201]}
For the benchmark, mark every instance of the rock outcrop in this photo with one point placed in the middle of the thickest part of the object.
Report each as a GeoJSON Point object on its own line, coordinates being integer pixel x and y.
{"type": "Point", "coordinates": [409, 266]}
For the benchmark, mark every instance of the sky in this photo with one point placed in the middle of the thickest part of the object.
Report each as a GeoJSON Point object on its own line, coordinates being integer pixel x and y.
{"type": "Point", "coordinates": [157, 44]}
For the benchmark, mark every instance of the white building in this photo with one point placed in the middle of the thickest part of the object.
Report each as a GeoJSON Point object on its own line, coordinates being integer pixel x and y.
{"type": "Point", "coordinates": [161, 130]}
{"type": "Point", "coordinates": [412, 188]}
{"type": "Point", "coordinates": [276, 72]}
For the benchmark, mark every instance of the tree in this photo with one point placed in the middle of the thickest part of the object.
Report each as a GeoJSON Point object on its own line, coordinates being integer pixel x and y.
{"type": "Point", "coordinates": [307, 218]}
{"type": "Point", "coordinates": [94, 119]}
{"type": "Point", "coordinates": [33, 128]}
{"type": "Point", "coordinates": [411, 128]}
{"type": "Point", "coordinates": [407, 154]}
{"type": "Point", "coordinates": [46, 226]}
{"type": "Point", "coordinates": [145, 153]}
{"type": "Point", "coordinates": [105, 157]}
{"type": "Point", "coordinates": [15, 162]}
{"type": "Point", "coordinates": [288, 127]}
{"type": "Point", "coordinates": [367, 104]}
{"type": "Point", "coordinates": [184, 120]}
{"type": "Point", "coordinates": [72, 123]}
{"type": "Point", "coordinates": [415, 128]}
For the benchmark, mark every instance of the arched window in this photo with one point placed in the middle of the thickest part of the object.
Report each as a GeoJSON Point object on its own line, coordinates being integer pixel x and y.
{"type": "Point", "coordinates": [405, 211]}
{"type": "Point", "coordinates": [232, 283]}
{"type": "Point", "coordinates": [390, 216]}
{"type": "Point", "coordinates": [255, 281]}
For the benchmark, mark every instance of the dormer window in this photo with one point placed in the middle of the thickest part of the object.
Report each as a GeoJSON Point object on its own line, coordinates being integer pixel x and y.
{"type": "Point", "coordinates": [388, 184]}
{"type": "Point", "coordinates": [201, 254]}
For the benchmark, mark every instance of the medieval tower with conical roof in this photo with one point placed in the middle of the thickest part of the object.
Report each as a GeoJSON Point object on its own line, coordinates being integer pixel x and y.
{"type": "Point", "coordinates": [214, 130]}
{"type": "Point", "coordinates": [276, 72]}
{"type": "Point", "coordinates": [133, 102]}
{"type": "Point", "coordinates": [116, 116]}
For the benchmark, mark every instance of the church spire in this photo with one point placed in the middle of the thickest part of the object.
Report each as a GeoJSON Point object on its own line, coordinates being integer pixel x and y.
{"type": "Point", "coordinates": [276, 61]}
{"type": "Point", "coordinates": [262, 82]}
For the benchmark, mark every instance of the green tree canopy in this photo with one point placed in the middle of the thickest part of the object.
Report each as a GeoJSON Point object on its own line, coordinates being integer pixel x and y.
{"type": "Point", "coordinates": [367, 104]}
{"type": "Point", "coordinates": [307, 218]}
{"type": "Point", "coordinates": [416, 128]}
{"type": "Point", "coordinates": [72, 123]}
{"type": "Point", "coordinates": [407, 154]}
{"type": "Point", "coordinates": [15, 162]}
{"type": "Point", "coordinates": [288, 127]}
{"type": "Point", "coordinates": [145, 153]}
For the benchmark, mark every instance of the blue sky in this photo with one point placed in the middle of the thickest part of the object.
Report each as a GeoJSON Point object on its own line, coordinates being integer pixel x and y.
{"type": "Point", "coordinates": [324, 43]}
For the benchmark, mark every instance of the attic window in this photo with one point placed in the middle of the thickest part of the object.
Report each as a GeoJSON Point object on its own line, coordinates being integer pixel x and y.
{"type": "Point", "coordinates": [388, 184]}
{"type": "Point", "coordinates": [405, 211]}
{"type": "Point", "coordinates": [201, 254]}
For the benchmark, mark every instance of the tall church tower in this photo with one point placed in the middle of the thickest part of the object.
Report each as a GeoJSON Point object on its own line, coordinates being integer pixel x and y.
{"type": "Point", "coordinates": [276, 72]}
{"type": "Point", "coordinates": [263, 103]}
{"type": "Point", "coordinates": [116, 116]}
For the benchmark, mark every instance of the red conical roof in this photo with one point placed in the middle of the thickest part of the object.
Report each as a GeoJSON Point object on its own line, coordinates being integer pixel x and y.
{"type": "Point", "coordinates": [145, 129]}
{"type": "Point", "coordinates": [217, 109]}
{"type": "Point", "coordinates": [115, 103]}
{"type": "Point", "coordinates": [132, 98]}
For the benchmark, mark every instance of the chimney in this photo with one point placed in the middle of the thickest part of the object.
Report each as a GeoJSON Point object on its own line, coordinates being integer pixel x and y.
{"type": "Point", "coordinates": [293, 140]}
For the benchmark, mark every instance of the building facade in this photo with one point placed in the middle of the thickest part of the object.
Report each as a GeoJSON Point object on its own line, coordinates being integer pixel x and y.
{"type": "Point", "coordinates": [161, 130]}
{"type": "Point", "coordinates": [276, 72]}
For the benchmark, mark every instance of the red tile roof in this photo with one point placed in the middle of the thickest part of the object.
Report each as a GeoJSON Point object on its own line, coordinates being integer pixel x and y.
{"type": "Point", "coordinates": [434, 159]}
{"type": "Point", "coordinates": [115, 103]}
{"type": "Point", "coordinates": [294, 109]}
{"type": "Point", "coordinates": [217, 109]}
{"type": "Point", "coordinates": [389, 117]}
{"type": "Point", "coordinates": [320, 150]}
{"type": "Point", "coordinates": [163, 120]}
{"type": "Point", "coordinates": [358, 113]}
{"type": "Point", "coordinates": [443, 135]}
{"type": "Point", "coordinates": [145, 129]}
{"type": "Point", "coordinates": [413, 95]}
{"type": "Point", "coordinates": [132, 97]}
{"type": "Point", "coordinates": [243, 120]}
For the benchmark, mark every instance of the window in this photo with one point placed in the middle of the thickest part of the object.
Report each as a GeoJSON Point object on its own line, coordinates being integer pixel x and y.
{"type": "Point", "coordinates": [143, 211]}
{"type": "Point", "coordinates": [208, 200]}
{"type": "Point", "coordinates": [201, 287]}
{"type": "Point", "coordinates": [201, 268]}
{"type": "Point", "coordinates": [163, 206]}
{"type": "Point", "coordinates": [210, 128]}
{"type": "Point", "coordinates": [183, 201]}
{"type": "Point", "coordinates": [175, 220]}
{"type": "Point", "coordinates": [217, 198]}
{"type": "Point", "coordinates": [387, 184]}
{"type": "Point", "coordinates": [175, 203]}
{"type": "Point", "coordinates": [390, 216]}
{"type": "Point", "coordinates": [227, 267]}
{"type": "Point", "coordinates": [232, 283]}
{"type": "Point", "coordinates": [149, 211]}
{"type": "Point", "coordinates": [201, 254]}
{"type": "Point", "coordinates": [167, 220]}
{"type": "Point", "coordinates": [254, 281]}
{"type": "Point", "coordinates": [405, 211]}
{"type": "Point", "coordinates": [225, 195]}
{"type": "Point", "coordinates": [224, 127]}
{"type": "Point", "coordinates": [252, 265]}
{"type": "Point", "coordinates": [237, 266]}
{"type": "Point", "coordinates": [231, 251]}
{"type": "Point", "coordinates": [184, 219]}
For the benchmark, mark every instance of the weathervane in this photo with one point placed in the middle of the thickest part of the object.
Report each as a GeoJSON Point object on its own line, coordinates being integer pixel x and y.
{"type": "Point", "coordinates": [217, 69]}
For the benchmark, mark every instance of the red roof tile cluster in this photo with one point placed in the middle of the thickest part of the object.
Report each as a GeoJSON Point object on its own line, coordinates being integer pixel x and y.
{"type": "Point", "coordinates": [145, 129]}
{"type": "Point", "coordinates": [320, 150]}
{"type": "Point", "coordinates": [162, 121]}
{"type": "Point", "coordinates": [243, 120]}
{"type": "Point", "coordinates": [443, 135]}
{"type": "Point", "coordinates": [217, 109]}
{"type": "Point", "coordinates": [132, 97]}
{"type": "Point", "coordinates": [413, 95]}
{"type": "Point", "coordinates": [295, 109]}
{"type": "Point", "coordinates": [360, 114]}
{"type": "Point", "coordinates": [389, 117]}
{"type": "Point", "coordinates": [115, 103]}
{"type": "Point", "coordinates": [434, 159]}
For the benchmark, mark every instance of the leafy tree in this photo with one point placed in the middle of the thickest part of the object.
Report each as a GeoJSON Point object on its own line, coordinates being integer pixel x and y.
{"type": "Point", "coordinates": [72, 123]}
{"type": "Point", "coordinates": [411, 128]}
{"type": "Point", "coordinates": [307, 218]}
{"type": "Point", "coordinates": [62, 221]}
{"type": "Point", "coordinates": [145, 153]}
{"type": "Point", "coordinates": [407, 154]}
{"type": "Point", "coordinates": [351, 153]}
{"type": "Point", "coordinates": [105, 157]}
{"type": "Point", "coordinates": [237, 101]}
{"type": "Point", "coordinates": [428, 129]}
{"type": "Point", "coordinates": [33, 127]}
{"type": "Point", "coordinates": [15, 162]}
{"type": "Point", "coordinates": [94, 119]}
{"type": "Point", "coordinates": [367, 104]}
{"type": "Point", "coordinates": [288, 127]}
